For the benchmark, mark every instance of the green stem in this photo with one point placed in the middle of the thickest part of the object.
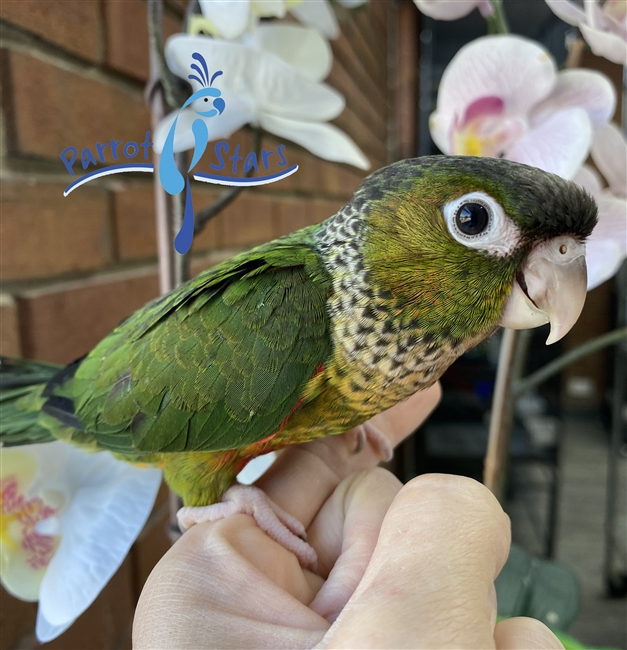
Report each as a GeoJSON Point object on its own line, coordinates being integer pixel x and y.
{"type": "Point", "coordinates": [497, 23]}
{"type": "Point", "coordinates": [536, 378]}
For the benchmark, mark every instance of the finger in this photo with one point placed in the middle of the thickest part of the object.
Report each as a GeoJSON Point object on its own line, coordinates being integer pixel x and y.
{"type": "Point", "coordinates": [523, 633]}
{"type": "Point", "coordinates": [345, 534]}
{"type": "Point", "coordinates": [430, 581]}
{"type": "Point", "coordinates": [304, 476]}
{"type": "Point", "coordinates": [205, 592]}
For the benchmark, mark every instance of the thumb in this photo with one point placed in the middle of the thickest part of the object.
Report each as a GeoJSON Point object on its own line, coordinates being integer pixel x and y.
{"type": "Point", "coordinates": [430, 582]}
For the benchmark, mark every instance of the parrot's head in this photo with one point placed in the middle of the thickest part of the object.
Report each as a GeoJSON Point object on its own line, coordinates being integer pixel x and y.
{"type": "Point", "coordinates": [465, 244]}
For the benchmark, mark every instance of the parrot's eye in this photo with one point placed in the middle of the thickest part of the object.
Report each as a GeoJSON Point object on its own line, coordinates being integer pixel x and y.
{"type": "Point", "coordinates": [476, 220]}
{"type": "Point", "coordinates": [472, 218]}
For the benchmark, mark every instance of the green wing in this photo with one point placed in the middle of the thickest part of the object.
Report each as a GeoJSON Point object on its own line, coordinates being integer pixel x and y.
{"type": "Point", "coordinates": [218, 363]}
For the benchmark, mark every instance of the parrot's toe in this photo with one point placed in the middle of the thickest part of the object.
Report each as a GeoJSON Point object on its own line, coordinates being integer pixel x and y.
{"type": "Point", "coordinates": [279, 525]}
{"type": "Point", "coordinates": [369, 433]}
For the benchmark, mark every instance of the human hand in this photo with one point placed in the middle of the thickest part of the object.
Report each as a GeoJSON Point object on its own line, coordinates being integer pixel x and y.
{"type": "Point", "coordinates": [400, 567]}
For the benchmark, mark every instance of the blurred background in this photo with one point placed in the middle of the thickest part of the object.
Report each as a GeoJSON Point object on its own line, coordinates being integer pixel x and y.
{"type": "Point", "coordinates": [73, 74]}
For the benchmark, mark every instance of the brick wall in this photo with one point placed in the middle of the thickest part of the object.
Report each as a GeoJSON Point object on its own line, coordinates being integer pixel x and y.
{"type": "Point", "coordinates": [73, 73]}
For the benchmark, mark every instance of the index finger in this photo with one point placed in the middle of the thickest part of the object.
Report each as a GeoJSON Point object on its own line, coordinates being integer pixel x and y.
{"type": "Point", "coordinates": [304, 476]}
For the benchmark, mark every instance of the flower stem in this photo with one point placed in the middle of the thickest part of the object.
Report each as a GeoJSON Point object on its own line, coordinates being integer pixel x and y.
{"type": "Point", "coordinates": [589, 347]}
{"type": "Point", "coordinates": [497, 22]}
{"type": "Point", "coordinates": [495, 461]}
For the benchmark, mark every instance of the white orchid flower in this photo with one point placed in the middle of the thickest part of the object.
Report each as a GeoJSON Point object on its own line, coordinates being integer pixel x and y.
{"type": "Point", "coordinates": [453, 9]}
{"type": "Point", "coordinates": [606, 248]}
{"type": "Point", "coordinates": [603, 25]}
{"type": "Point", "coordinates": [231, 18]}
{"type": "Point", "coordinates": [502, 96]}
{"type": "Point", "coordinates": [259, 87]}
{"type": "Point", "coordinates": [68, 520]}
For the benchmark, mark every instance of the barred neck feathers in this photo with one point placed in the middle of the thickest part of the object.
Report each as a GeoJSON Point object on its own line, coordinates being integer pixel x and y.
{"type": "Point", "coordinates": [378, 359]}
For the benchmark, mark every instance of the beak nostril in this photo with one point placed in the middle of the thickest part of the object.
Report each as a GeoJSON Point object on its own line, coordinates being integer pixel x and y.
{"type": "Point", "coordinates": [563, 249]}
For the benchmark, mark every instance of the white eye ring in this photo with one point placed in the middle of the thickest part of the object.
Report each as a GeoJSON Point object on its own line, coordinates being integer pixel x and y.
{"type": "Point", "coordinates": [499, 237]}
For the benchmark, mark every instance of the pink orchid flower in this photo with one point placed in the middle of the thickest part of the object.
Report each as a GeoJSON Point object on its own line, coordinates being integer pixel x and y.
{"type": "Point", "coordinates": [502, 97]}
{"type": "Point", "coordinates": [606, 248]}
{"type": "Point", "coordinates": [452, 9]}
{"type": "Point", "coordinates": [603, 25]}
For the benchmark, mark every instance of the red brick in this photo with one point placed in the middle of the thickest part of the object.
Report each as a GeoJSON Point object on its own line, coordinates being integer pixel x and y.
{"type": "Point", "coordinates": [351, 178]}
{"type": "Point", "coordinates": [359, 131]}
{"type": "Point", "coordinates": [135, 226]}
{"type": "Point", "coordinates": [72, 24]}
{"type": "Point", "coordinates": [212, 235]}
{"type": "Point", "coordinates": [345, 55]}
{"type": "Point", "coordinates": [243, 139]}
{"type": "Point", "coordinates": [127, 36]}
{"type": "Point", "coordinates": [330, 180]}
{"type": "Point", "coordinates": [322, 209]}
{"type": "Point", "coordinates": [63, 322]}
{"type": "Point", "coordinates": [45, 233]}
{"type": "Point", "coordinates": [376, 65]}
{"type": "Point", "coordinates": [291, 214]}
{"type": "Point", "coordinates": [10, 344]}
{"type": "Point", "coordinates": [308, 178]}
{"type": "Point", "coordinates": [51, 108]}
{"type": "Point", "coordinates": [248, 220]}
{"type": "Point", "coordinates": [359, 101]}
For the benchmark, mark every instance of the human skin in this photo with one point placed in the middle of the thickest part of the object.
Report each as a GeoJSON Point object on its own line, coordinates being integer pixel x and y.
{"type": "Point", "coordinates": [400, 566]}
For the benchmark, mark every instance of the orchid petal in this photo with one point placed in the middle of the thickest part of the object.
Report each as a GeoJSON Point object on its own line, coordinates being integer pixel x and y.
{"type": "Point", "coordinates": [439, 129]}
{"type": "Point", "coordinates": [612, 222]}
{"type": "Point", "coordinates": [319, 15]}
{"type": "Point", "coordinates": [587, 89]}
{"type": "Point", "coordinates": [446, 9]}
{"type": "Point", "coordinates": [615, 14]}
{"type": "Point", "coordinates": [323, 140]}
{"type": "Point", "coordinates": [610, 46]}
{"type": "Point", "coordinates": [230, 17]}
{"type": "Point", "coordinates": [603, 259]}
{"type": "Point", "coordinates": [559, 145]}
{"type": "Point", "coordinates": [594, 14]}
{"type": "Point", "coordinates": [218, 127]}
{"type": "Point", "coordinates": [304, 49]}
{"type": "Point", "coordinates": [268, 8]}
{"type": "Point", "coordinates": [260, 78]}
{"type": "Point", "coordinates": [111, 504]}
{"type": "Point", "coordinates": [609, 152]}
{"type": "Point", "coordinates": [25, 551]}
{"type": "Point", "coordinates": [256, 468]}
{"type": "Point", "coordinates": [515, 69]}
{"type": "Point", "coordinates": [589, 179]}
{"type": "Point", "coordinates": [568, 11]}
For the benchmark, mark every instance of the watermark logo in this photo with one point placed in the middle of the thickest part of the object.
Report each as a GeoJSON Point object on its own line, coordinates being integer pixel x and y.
{"type": "Point", "coordinates": [206, 103]}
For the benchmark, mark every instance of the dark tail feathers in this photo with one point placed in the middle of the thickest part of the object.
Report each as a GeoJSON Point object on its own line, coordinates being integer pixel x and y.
{"type": "Point", "coordinates": [21, 384]}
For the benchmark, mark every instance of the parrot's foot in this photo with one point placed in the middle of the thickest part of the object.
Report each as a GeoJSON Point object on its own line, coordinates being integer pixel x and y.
{"type": "Point", "coordinates": [368, 433]}
{"type": "Point", "coordinates": [274, 521]}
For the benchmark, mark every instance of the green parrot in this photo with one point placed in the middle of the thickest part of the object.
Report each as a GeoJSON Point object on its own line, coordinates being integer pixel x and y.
{"type": "Point", "coordinates": [315, 333]}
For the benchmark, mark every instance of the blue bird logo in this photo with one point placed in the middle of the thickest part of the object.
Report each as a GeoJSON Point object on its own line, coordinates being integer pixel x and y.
{"type": "Point", "coordinates": [171, 178]}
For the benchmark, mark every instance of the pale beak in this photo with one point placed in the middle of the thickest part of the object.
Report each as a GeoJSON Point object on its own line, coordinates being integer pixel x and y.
{"type": "Point", "coordinates": [550, 287]}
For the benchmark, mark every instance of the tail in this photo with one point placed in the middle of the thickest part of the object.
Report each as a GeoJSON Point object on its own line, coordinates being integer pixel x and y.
{"type": "Point", "coordinates": [21, 384]}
